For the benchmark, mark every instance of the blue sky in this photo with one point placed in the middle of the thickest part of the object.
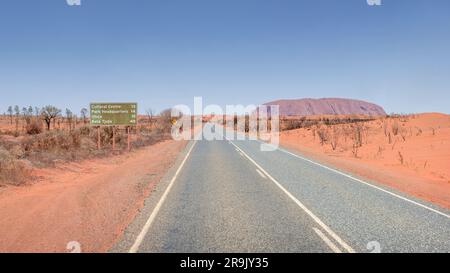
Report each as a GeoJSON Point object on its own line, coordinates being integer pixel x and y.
{"type": "Point", "coordinates": [162, 53]}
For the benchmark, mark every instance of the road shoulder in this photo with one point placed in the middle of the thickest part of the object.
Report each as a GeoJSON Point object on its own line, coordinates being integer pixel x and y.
{"type": "Point", "coordinates": [124, 244]}
{"type": "Point", "coordinates": [89, 202]}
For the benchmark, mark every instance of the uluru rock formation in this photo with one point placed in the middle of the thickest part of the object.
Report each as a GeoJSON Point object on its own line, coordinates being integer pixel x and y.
{"type": "Point", "coordinates": [327, 106]}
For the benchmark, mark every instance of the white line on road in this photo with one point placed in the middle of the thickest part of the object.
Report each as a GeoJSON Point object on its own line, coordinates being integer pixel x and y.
{"type": "Point", "coordinates": [300, 204]}
{"type": "Point", "coordinates": [327, 240]}
{"type": "Point", "coordinates": [366, 183]}
{"type": "Point", "coordinates": [261, 174]}
{"type": "Point", "coordinates": [155, 211]}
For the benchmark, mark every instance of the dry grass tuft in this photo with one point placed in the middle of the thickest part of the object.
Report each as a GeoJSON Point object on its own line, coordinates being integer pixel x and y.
{"type": "Point", "coordinates": [13, 171]}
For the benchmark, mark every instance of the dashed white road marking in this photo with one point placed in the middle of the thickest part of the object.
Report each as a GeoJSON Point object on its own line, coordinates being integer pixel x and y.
{"type": "Point", "coordinates": [155, 211]}
{"type": "Point", "coordinates": [327, 241]}
{"type": "Point", "coordinates": [327, 229]}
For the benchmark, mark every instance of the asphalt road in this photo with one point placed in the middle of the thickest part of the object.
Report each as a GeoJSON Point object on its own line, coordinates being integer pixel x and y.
{"type": "Point", "coordinates": [229, 196]}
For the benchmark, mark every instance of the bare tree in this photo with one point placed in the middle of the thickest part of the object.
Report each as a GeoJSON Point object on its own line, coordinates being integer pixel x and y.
{"type": "Point", "coordinates": [149, 112]}
{"type": "Point", "coordinates": [10, 113]}
{"type": "Point", "coordinates": [49, 113]}
{"type": "Point", "coordinates": [17, 110]}
{"type": "Point", "coordinates": [26, 115]}
{"type": "Point", "coordinates": [30, 110]}
{"type": "Point", "coordinates": [37, 111]}
{"type": "Point", "coordinates": [17, 113]}
{"type": "Point", "coordinates": [84, 113]}
{"type": "Point", "coordinates": [69, 117]}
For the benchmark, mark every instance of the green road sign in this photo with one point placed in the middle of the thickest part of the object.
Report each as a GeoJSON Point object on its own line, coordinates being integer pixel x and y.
{"type": "Point", "coordinates": [114, 114]}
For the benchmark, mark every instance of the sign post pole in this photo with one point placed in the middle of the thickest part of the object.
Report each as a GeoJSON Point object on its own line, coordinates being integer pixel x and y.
{"type": "Point", "coordinates": [98, 138]}
{"type": "Point", "coordinates": [129, 140]}
{"type": "Point", "coordinates": [114, 138]}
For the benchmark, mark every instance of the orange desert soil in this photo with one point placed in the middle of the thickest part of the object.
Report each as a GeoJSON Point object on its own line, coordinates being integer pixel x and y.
{"type": "Point", "coordinates": [423, 143]}
{"type": "Point", "coordinates": [90, 202]}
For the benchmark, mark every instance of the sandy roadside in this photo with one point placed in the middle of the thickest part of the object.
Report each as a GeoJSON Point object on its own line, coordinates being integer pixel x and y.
{"type": "Point", "coordinates": [424, 172]}
{"type": "Point", "coordinates": [432, 190]}
{"type": "Point", "coordinates": [90, 202]}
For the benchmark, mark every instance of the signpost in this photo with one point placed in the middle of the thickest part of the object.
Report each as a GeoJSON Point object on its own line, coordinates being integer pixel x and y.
{"type": "Point", "coordinates": [113, 114]}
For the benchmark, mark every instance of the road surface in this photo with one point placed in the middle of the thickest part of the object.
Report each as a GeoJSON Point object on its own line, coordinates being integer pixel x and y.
{"type": "Point", "coordinates": [229, 196]}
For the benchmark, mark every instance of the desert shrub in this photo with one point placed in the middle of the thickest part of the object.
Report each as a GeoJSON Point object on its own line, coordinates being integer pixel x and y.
{"type": "Point", "coordinates": [357, 134]}
{"type": "Point", "coordinates": [323, 135]}
{"type": "Point", "coordinates": [313, 132]}
{"type": "Point", "coordinates": [403, 133]}
{"type": "Point", "coordinates": [150, 138]}
{"type": "Point", "coordinates": [433, 131]}
{"type": "Point", "coordinates": [355, 149]}
{"type": "Point", "coordinates": [335, 137]}
{"type": "Point", "coordinates": [12, 170]}
{"type": "Point", "coordinates": [165, 121]}
{"type": "Point", "coordinates": [385, 127]}
{"type": "Point", "coordinates": [17, 152]}
{"type": "Point", "coordinates": [44, 149]}
{"type": "Point", "coordinates": [53, 146]}
{"type": "Point", "coordinates": [75, 139]}
{"type": "Point", "coordinates": [400, 157]}
{"type": "Point", "coordinates": [5, 158]}
{"type": "Point", "coordinates": [380, 151]}
{"type": "Point", "coordinates": [395, 128]}
{"type": "Point", "coordinates": [53, 140]}
{"type": "Point", "coordinates": [87, 144]}
{"type": "Point", "coordinates": [8, 133]}
{"type": "Point", "coordinates": [106, 135]}
{"type": "Point", "coordinates": [303, 122]}
{"type": "Point", "coordinates": [34, 127]}
{"type": "Point", "coordinates": [293, 124]}
{"type": "Point", "coordinates": [86, 131]}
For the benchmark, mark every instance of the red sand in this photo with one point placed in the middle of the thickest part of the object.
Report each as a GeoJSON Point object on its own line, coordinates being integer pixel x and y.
{"type": "Point", "coordinates": [425, 171]}
{"type": "Point", "coordinates": [5, 124]}
{"type": "Point", "coordinates": [89, 202]}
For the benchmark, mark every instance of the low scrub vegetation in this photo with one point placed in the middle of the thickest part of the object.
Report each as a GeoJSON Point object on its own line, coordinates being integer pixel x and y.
{"type": "Point", "coordinates": [287, 124]}
{"type": "Point", "coordinates": [42, 138]}
{"type": "Point", "coordinates": [352, 133]}
{"type": "Point", "coordinates": [12, 169]}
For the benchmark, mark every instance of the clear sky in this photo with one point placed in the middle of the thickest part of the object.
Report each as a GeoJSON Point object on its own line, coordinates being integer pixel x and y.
{"type": "Point", "coordinates": [164, 52]}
